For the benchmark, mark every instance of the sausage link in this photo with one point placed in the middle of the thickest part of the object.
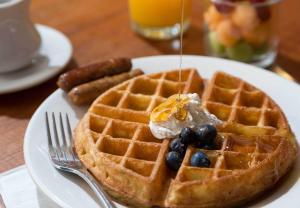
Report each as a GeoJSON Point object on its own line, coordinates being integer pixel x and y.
{"type": "Point", "coordinates": [92, 72]}
{"type": "Point", "coordinates": [87, 92]}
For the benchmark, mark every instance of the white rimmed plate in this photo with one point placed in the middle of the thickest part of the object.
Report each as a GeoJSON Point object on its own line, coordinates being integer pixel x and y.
{"type": "Point", "coordinates": [54, 53]}
{"type": "Point", "coordinates": [70, 191]}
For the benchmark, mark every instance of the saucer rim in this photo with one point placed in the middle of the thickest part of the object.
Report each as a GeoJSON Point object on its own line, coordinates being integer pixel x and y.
{"type": "Point", "coordinates": [39, 80]}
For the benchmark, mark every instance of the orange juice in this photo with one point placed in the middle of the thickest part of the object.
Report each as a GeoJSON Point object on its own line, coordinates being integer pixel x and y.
{"type": "Point", "coordinates": [158, 13]}
{"type": "Point", "coordinates": [159, 19]}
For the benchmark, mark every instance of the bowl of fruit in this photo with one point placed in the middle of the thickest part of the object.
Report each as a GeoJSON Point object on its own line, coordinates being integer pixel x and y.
{"type": "Point", "coordinates": [242, 30]}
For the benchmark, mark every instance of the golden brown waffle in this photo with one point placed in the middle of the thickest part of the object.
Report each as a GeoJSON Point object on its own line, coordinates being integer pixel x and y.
{"type": "Point", "coordinates": [255, 144]}
{"type": "Point", "coordinates": [234, 101]}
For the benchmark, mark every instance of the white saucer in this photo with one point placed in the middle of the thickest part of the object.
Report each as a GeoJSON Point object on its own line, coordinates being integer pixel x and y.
{"type": "Point", "coordinates": [55, 52]}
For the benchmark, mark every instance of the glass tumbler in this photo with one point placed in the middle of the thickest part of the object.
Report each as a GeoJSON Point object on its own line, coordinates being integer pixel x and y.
{"type": "Point", "coordinates": [242, 30]}
{"type": "Point", "coordinates": [159, 19]}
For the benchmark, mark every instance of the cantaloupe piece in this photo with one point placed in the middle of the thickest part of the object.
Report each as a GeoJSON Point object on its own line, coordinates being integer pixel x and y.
{"type": "Point", "coordinates": [245, 17]}
{"type": "Point", "coordinates": [258, 35]}
{"type": "Point", "coordinates": [228, 33]}
{"type": "Point", "coordinates": [212, 17]}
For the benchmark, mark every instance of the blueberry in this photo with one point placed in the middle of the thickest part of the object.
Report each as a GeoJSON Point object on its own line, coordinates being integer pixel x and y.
{"type": "Point", "coordinates": [212, 146]}
{"type": "Point", "coordinates": [206, 135]}
{"type": "Point", "coordinates": [177, 146]}
{"type": "Point", "coordinates": [199, 144]}
{"type": "Point", "coordinates": [264, 13]}
{"type": "Point", "coordinates": [187, 136]}
{"type": "Point", "coordinates": [173, 160]}
{"type": "Point", "coordinates": [200, 159]}
{"type": "Point", "coordinates": [257, 1]}
{"type": "Point", "coordinates": [224, 7]}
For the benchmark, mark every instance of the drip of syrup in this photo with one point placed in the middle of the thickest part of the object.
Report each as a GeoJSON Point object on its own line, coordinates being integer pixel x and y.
{"type": "Point", "coordinates": [181, 112]}
{"type": "Point", "coordinates": [170, 107]}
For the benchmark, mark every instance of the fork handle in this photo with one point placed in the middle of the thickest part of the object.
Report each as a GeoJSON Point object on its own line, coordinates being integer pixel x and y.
{"type": "Point", "coordinates": [100, 193]}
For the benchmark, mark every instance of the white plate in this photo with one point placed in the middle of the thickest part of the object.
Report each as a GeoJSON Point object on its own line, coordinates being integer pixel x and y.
{"type": "Point", "coordinates": [54, 53]}
{"type": "Point", "coordinates": [69, 191]}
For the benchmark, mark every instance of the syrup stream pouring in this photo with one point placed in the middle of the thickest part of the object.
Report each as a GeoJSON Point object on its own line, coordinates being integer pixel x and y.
{"type": "Point", "coordinates": [179, 115]}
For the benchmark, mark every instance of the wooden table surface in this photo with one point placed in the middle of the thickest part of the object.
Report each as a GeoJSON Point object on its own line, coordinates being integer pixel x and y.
{"type": "Point", "coordinates": [98, 30]}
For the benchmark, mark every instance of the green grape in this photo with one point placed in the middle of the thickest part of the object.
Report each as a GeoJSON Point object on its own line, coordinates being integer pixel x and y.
{"type": "Point", "coordinates": [215, 45]}
{"type": "Point", "coordinates": [241, 51]}
{"type": "Point", "coordinates": [262, 49]}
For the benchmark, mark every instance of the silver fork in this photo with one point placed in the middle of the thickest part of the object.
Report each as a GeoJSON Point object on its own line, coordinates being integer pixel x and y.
{"type": "Point", "coordinates": [63, 157]}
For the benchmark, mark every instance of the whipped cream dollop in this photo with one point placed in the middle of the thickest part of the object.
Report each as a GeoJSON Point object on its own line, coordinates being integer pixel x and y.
{"type": "Point", "coordinates": [165, 124]}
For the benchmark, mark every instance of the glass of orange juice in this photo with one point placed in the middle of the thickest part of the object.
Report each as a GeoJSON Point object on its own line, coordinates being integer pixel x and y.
{"type": "Point", "coordinates": [159, 19]}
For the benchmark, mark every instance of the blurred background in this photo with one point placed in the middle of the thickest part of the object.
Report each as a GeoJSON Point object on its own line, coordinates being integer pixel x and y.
{"type": "Point", "coordinates": [100, 29]}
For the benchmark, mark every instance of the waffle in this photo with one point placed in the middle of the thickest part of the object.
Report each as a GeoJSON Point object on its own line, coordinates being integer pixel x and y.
{"type": "Point", "coordinates": [255, 145]}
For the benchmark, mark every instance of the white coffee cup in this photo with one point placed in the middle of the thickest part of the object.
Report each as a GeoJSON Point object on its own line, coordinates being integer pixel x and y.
{"type": "Point", "coordinates": [19, 39]}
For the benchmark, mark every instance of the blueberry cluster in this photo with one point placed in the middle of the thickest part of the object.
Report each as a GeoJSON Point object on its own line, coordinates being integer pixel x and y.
{"type": "Point", "coordinates": [202, 137]}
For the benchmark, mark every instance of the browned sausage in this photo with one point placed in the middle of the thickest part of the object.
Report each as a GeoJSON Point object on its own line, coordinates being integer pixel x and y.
{"type": "Point", "coordinates": [94, 71]}
{"type": "Point", "coordinates": [87, 92]}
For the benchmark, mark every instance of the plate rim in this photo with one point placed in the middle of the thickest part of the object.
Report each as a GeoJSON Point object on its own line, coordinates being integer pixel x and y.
{"type": "Point", "coordinates": [60, 202]}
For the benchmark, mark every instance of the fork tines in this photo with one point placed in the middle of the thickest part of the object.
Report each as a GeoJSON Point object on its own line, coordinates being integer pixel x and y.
{"type": "Point", "coordinates": [60, 145]}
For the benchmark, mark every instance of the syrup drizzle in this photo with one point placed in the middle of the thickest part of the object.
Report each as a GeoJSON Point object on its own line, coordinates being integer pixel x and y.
{"type": "Point", "coordinates": [180, 113]}
{"type": "Point", "coordinates": [181, 47]}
